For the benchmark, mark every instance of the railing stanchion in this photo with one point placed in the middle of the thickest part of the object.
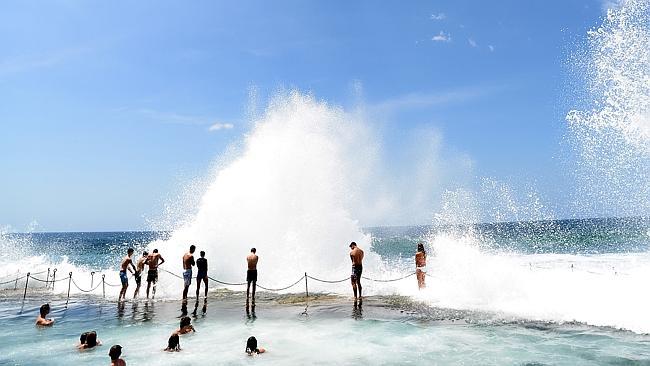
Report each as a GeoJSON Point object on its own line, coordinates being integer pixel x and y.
{"type": "Point", "coordinates": [53, 278]}
{"type": "Point", "coordinates": [103, 286]}
{"type": "Point", "coordinates": [69, 283]}
{"type": "Point", "coordinates": [306, 288]}
{"type": "Point", "coordinates": [26, 282]}
{"type": "Point", "coordinates": [47, 279]}
{"type": "Point", "coordinates": [92, 277]}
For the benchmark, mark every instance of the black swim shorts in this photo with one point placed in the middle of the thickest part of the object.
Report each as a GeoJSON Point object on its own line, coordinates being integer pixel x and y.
{"type": "Point", "coordinates": [152, 275]}
{"type": "Point", "coordinates": [356, 271]}
{"type": "Point", "coordinates": [251, 275]}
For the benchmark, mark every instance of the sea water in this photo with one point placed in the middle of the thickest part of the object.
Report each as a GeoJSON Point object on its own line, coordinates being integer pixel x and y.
{"type": "Point", "coordinates": [388, 327]}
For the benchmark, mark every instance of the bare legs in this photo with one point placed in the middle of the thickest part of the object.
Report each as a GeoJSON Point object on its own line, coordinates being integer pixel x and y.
{"type": "Point", "coordinates": [356, 283]}
{"type": "Point", "coordinates": [420, 275]}
{"type": "Point", "coordinates": [248, 290]}
{"type": "Point", "coordinates": [123, 292]}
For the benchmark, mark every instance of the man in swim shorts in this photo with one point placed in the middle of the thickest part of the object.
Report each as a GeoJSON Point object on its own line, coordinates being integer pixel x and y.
{"type": "Point", "coordinates": [152, 275]}
{"type": "Point", "coordinates": [201, 274]}
{"type": "Point", "coordinates": [356, 255]}
{"type": "Point", "coordinates": [139, 268]}
{"type": "Point", "coordinates": [251, 274]}
{"type": "Point", "coordinates": [124, 266]}
{"type": "Point", "coordinates": [188, 262]}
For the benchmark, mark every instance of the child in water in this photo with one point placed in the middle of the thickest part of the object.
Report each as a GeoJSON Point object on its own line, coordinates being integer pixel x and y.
{"type": "Point", "coordinates": [251, 347]}
{"type": "Point", "coordinates": [174, 343]}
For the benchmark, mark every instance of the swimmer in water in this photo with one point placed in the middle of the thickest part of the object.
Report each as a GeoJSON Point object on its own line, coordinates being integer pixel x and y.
{"type": "Point", "coordinates": [251, 347]}
{"type": "Point", "coordinates": [115, 352]}
{"type": "Point", "coordinates": [41, 319]}
{"type": "Point", "coordinates": [89, 341]}
{"type": "Point", "coordinates": [174, 343]}
{"type": "Point", "coordinates": [185, 326]}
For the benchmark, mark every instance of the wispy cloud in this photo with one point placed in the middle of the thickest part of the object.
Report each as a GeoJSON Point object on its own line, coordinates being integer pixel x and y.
{"type": "Point", "coordinates": [610, 4]}
{"type": "Point", "coordinates": [25, 63]}
{"type": "Point", "coordinates": [441, 37]}
{"type": "Point", "coordinates": [472, 42]}
{"type": "Point", "coordinates": [491, 47]}
{"type": "Point", "coordinates": [439, 16]}
{"type": "Point", "coordinates": [427, 100]}
{"type": "Point", "coordinates": [221, 126]}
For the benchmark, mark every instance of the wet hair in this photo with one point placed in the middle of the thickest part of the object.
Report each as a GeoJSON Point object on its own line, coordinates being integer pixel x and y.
{"type": "Point", "coordinates": [130, 250]}
{"type": "Point", "coordinates": [251, 345]}
{"type": "Point", "coordinates": [192, 248]}
{"type": "Point", "coordinates": [83, 336]}
{"type": "Point", "coordinates": [185, 321]}
{"type": "Point", "coordinates": [91, 339]}
{"type": "Point", "coordinates": [202, 254]}
{"type": "Point", "coordinates": [45, 309]}
{"type": "Point", "coordinates": [145, 253]}
{"type": "Point", "coordinates": [253, 250]}
{"type": "Point", "coordinates": [421, 248]}
{"type": "Point", "coordinates": [155, 250]}
{"type": "Point", "coordinates": [174, 343]}
{"type": "Point", "coordinates": [353, 244]}
{"type": "Point", "coordinates": [115, 352]}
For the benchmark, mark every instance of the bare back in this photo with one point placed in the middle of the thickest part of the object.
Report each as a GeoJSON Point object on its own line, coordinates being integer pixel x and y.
{"type": "Point", "coordinates": [140, 265]}
{"type": "Point", "coordinates": [356, 255]}
{"type": "Point", "coordinates": [152, 260]}
{"type": "Point", "coordinates": [125, 263]}
{"type": "Point", "coordinates": [188, 261]}
{"type": "Point", "coordinates": [252, 261]}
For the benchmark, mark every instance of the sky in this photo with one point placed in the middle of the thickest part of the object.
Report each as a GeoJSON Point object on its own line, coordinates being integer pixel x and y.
{"type": "Point", "coordinates": [107, 108]}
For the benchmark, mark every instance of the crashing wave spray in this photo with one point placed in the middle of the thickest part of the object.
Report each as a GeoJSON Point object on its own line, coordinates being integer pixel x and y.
{"type": "Point", "coordinates": [613, 134]}
{"type": "Point", "coordinates": [287, 194]}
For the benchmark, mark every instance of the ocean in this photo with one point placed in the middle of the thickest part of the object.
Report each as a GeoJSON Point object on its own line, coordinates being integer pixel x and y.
{"type": "Point", "coordinates": [529, 293]}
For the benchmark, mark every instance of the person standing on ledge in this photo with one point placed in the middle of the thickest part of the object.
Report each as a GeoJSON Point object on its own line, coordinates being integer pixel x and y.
{"type": "Point", "coordinates": [139, 268]}
{"type": "Point", "coordinates": [251, 274]}
{"type": "Point", "coordinates": [356, 255]}
{"type": "Point", "coordinates": [421, 265]}
{"type": "Point", "coordinates": [152, 273]}
{"type": "Point", "coordinates": [188, 262]}
{"type": "Point", "coordinates": [124, 266]}
{"type": "Point", "coordinates": [201, 274]}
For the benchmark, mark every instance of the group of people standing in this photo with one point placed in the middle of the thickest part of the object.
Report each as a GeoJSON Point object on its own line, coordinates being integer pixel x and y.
{"type": "Point", "coordinates": [154, 260]}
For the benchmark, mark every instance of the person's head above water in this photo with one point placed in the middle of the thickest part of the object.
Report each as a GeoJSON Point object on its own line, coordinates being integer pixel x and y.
{"type": "Point", "coordinates": [192, 248]}
{"type": "Point", "coordinates": [115, 352]}
{"type": "Point", "coordinates": [251, 345]}
{"type": "Point", "coordinates": [253, 250]}
{"type": "Point", "coordinates": [130, 251]}
{"type": "Point", "coordinates": [185, 321]}
{"type": "Point", "coordinates": [353, 245]}
{"type": "Point", "coordinates": [202, 254]}
{"type": "Point", "coordinates": [91, 339]}
{"type": "Point", "coordinates": [421, 247]}
{"type": "Point", "coordinates": [82, 337]}
{"type": "Point", "coordinates": [45, 309]}
{"type": "Point", "coordinates": [174, 343]}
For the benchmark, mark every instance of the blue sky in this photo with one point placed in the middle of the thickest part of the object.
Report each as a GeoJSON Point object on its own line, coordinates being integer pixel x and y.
{"type": "Point", "coordinates": [106, 106]}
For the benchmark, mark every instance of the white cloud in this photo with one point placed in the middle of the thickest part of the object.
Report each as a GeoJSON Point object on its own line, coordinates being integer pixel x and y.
{"type": "Point", "coordinates": [441, 37]}
{"type": "Point", "coordinates": [491, 47]}
{"type": "Point", "coordinates": [439, 16]}
{"type": "Point", "coordinates": [472, 42]}
{"type": "Point", "coordinates": [221, 126]}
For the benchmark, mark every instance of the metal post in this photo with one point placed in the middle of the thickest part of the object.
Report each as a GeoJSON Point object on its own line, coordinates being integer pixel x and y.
{"type": "Point", "coordinates": [103, 286]}
{"type": "Point", "coordinates": [306, 288]}
{"type": "Point", "coordinates": [47, 279]}
{"type": "Point", "coordinates": [53, 278]}
{"type": "Point", "coordinates": [16, 283]}
{"type": "Point", "coordinates": [26, 282]}
{"type": "Point", "coordinates": [92, 277]}
{"type": "Point", "coordinates": [69, 283]}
